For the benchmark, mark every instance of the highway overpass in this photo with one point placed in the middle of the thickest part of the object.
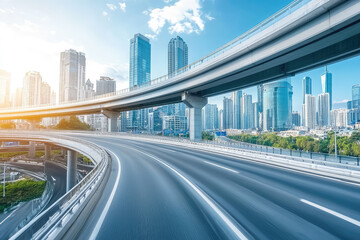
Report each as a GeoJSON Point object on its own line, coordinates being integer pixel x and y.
{"type": "Point", "coordinates": [304, 35]}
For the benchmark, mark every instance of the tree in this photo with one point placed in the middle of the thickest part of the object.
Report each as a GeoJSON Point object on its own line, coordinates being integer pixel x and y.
{"type": "Point", "coordinates": [207, 136]}
{"type": "Point", "coordinates": [73, 124]}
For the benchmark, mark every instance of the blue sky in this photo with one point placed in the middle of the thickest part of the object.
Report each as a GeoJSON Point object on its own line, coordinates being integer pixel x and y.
{"type": "Point", "coordinates": [34, 33]}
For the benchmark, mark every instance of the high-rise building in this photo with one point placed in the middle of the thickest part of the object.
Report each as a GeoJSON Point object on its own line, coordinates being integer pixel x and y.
{"type": "Point", "coordinates": [227, 113]}
{"type": "Point", "coordinates": [32, 84]}
{"type": "Point", "coordinates": [277, 105]}
{"type": "Point", "coordinates": [340, 117]}
{"type": "Point", "coordinates": [177, 54]}
{"type": "Point", "coordinates": [355, 96]}
{"type": "Point", "coordinates": [236, 97]}
{"type": "Point", "coordinates": [326, 84]}
{"type": "Point", "coordinates": [310, 111]}
{"type": "Point", "coordinates": [246, 111]}
{"type": "Point", "coordinates": [296, 119]}
{"type": "Point", "coordinates": [5, 78]}
{"type": "Point", "coordinates": [256, 115]}
{"type": "Point", "coordinates": [89, 89]}
{"type": "Point", "coordinates": [210, 118]}
{"type": "Point", "coordinates": [45, 93]}
{"type": "Point", "coordinates": [72, 76]}
{"type": "Point", "coordinates": [260, 97]}
{"type": "Point", "coordinates": [140, 60]}
{"type": "Point", "coordinates": [140, 66]}
{"type": "Point", "coordinates": [174, 124]}
{"type": "Point", "coordinates": [177, 58]}
{"type": "Point", "coordinates": [105, 85]}
{"type": "Point", "coordinates": [324, 109]}
{"type": "Point", "coordinates": [306, 87]}
{"type": "Point", "coordinates": [221, 119]}
{"type": "Point", "coordinates": [17, 98]}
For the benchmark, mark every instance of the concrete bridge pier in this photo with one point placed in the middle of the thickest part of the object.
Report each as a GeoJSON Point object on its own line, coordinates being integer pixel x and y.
{"type": "Point", "coordinates": [195, 104]}
{"type": "Point", "coordinates": [71, 169]}
{"type": "Point", "coordinates": [32, 149]}
{"type": "Point", "coordinates": [47, 152]}
{"type": "Point", "coordinates": [112, 119]}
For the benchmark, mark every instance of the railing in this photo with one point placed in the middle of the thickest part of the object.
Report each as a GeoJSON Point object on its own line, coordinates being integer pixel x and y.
{"type": "Point", "coordinates": [292, 7]}
{"type": "Point", "coordinates": [347, 161]}
{"type": "Point", "coordinates": [56, 220]}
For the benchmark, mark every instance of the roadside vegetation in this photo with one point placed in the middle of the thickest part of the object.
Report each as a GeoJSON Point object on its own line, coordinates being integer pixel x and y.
{"type": "Point", "coordinates": [7, 125]}
{"type": "Point", "coordinates": [20, 191]}
{"type": "Point", "coordinates": [349, 146]}
{"type": "Point", "coordinates": [206, 136]}
{"type": "Point", "coordinates": [72, 124]}
{"type": "Point", "coordinates": [85, 159]}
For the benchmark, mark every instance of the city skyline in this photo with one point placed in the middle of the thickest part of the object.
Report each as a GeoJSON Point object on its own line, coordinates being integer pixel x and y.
{"type": "Point", "coordinates": [28, 26]}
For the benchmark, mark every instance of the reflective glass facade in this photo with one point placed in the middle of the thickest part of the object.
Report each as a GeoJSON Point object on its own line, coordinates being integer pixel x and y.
{"type": "Point", "coordinates": [326, 84]}
{"type": "Point", "coordinates": [277, 105]}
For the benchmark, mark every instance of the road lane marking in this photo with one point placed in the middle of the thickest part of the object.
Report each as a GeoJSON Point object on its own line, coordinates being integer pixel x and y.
{"type": "Point", "coordinates": [228, 222]}
{"type": "Point", "coordinates": [6, 218]}
{"type": "Point", "coordinates": [219, 166]}
{"type": "Point", "coordinates": [99, 223]}
{"type": "Point", "coordinates": [339, 215]}
{"type": "Point", "coordinates": [53, 179]}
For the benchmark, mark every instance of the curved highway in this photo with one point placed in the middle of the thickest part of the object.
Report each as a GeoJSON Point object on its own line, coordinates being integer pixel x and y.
{"type": "Point", "coordinates": [158, 191]}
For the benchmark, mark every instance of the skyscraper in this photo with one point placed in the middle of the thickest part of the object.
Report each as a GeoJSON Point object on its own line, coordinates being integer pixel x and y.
{"type": "Point", "coordinates": [306, 87]}
{"type": "Point", "coordinates": [177, 54]}
{"type": "Point", "coordinates": [324, 109]}
{"type": "Point", "coordinates": [227, 113]}
{"type": "Point", "coordinates": [210, 117]}
{"type": "Point", "coordinates": [140, 66]}
{"type": "Point", "coordinates": [140, 60]}
{"type": "Point", "coordinates": [177, 58]}
{"type": "Point", "coordinates": [4, 89]}
{"type": "Point", "coordinates": [310, 111]}
{"type": "Point", "coordinates": [277, 105]}
{"type": "Point", "coordinates": [105, 85]}
{"type": "Point", "coordinates": [326, 84]}
{"type": "Point", "coordinates": [45, 93]}
{"type": "Point", "coordinates": [355, 96]}
{"type": "Point", "coordinates": [246, 111]}
{"type": "Point", "coordinates": [256, 115]}
{"type": "Point", "coordinates": [296, 118]}
{"type": "Point", "coordinates": [89, 89]}
{"type": "Point", "coordinates": [32, 84]}
{"type": "Point", "coordinates": [72, 76]}
{"type": "Point", "coordinates": [236, 97]}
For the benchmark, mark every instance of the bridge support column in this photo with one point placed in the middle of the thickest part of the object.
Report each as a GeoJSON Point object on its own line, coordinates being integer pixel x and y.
{"type": "Point", "coordinates": [195, 104]}
{"type": "Point", "coordinates": [112, 119]}
{"type": "Point", "coordinates": [71, 169]}
{"type": "Point", "coordinates": [47, 152]}
{"type": "Point", "coordinates": [32, 149]}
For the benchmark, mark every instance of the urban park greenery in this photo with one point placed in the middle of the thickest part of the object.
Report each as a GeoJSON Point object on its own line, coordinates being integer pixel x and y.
{"type": "Point", "coordinates": [349, 146]}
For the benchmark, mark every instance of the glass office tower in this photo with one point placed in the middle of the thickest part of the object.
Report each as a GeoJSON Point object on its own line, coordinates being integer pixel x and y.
{"type": "Point", "coordinates": [326, 84]}
{"type": "Point", "coordinates": [277, 105]}
{"type": "Point", "coordinates": [140, 65]}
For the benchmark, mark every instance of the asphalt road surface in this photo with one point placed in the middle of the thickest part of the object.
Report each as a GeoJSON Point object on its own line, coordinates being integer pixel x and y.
{"type": "Point", "coordinates": [169, 192]}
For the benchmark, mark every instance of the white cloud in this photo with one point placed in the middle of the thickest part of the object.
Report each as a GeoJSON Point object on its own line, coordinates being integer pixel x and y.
{"type": "Point", "coordinates": [150, 36]}
{"type": "Point", "coordinates": [104, 13]}
{"type": "Point", "coordinates": [182, 16]}
{"type": "Point", "coordinates": [112, 7]}
{"type": "Point", "coordinates": [208, 17]}
{"type": "Point", "coordinates": [122, 6]}
{"type": "Point", "coordinates": [118, 72]}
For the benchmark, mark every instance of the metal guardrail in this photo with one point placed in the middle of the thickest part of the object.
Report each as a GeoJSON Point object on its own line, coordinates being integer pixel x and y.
{"type": "Point", "coordinates": [292, 7]}
{"type": "Point", "coordinates": [320, 158]}
{"type": "Point", "coordinates": [55, 221]}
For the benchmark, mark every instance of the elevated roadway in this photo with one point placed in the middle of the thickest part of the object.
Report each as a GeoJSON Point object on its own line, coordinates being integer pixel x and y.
{"type": "Point", "coordinates": [302, 36]}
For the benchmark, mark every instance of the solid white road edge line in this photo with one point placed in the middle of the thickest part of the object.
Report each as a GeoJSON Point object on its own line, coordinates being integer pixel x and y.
{"type": "Point", "coordinates": [99, 223]}
{"type": "Point", "coordinates": [339, 215]}
{"type": "Point", "coordinates": [228, 222]}
{"type": "Point", "coordinates": [53, 178]}
{"type": "Point", "coordinates": [219, 166]}
{"type": "Point", "coordinates": [6, 218]}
